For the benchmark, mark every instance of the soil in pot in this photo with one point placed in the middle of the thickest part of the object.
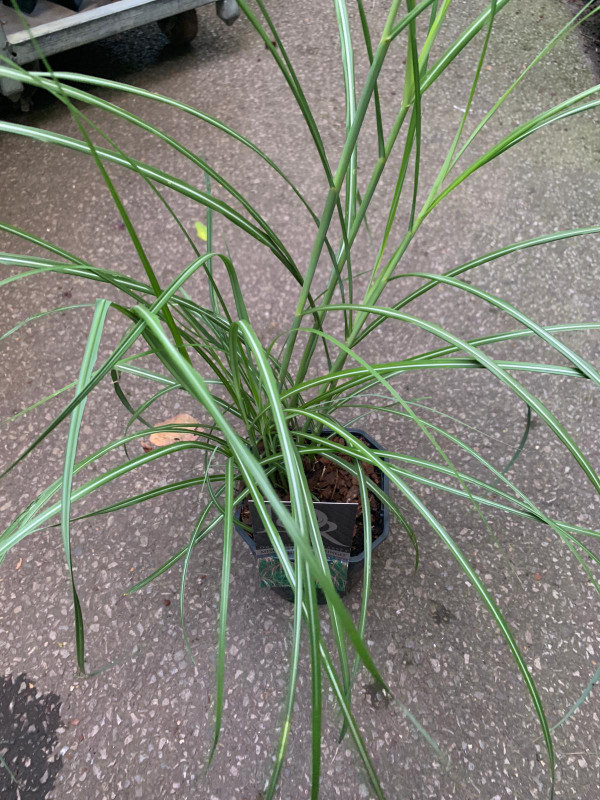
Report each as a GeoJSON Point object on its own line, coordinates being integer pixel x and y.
{"type": "Point", "coordinates": [331, 483]}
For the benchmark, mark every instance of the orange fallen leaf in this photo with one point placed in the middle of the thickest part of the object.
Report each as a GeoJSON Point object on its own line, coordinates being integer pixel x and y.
{"type": "Point", "coordinates": [19, 564]}
{"type": "Point", "coordinates": [537, 576]}
{"type": "Point", "coordinates": [168, 437]}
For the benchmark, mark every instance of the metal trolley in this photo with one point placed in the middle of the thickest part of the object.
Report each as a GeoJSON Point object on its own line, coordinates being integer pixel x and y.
{"type": "Point", "coordinates": [56, 28]}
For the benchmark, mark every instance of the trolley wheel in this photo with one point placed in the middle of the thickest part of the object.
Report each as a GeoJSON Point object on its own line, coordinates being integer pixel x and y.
{"type": "Point", "coordinates": [180, 28]}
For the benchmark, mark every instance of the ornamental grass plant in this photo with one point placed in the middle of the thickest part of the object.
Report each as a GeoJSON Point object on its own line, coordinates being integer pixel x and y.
{"type": "Point", "coordinates": [265, 406]}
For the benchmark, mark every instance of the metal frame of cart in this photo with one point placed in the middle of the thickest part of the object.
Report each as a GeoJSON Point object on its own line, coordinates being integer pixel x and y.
{"type": "Point", "coordinates": [56, 29]}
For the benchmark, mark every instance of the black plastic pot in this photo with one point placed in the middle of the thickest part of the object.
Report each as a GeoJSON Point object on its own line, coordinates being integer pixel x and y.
{"type": "Point", "coordinates": [356, 565]}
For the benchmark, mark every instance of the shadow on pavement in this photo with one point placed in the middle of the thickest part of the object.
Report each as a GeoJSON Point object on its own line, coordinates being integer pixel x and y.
{"type": "Point", "coordinates": [29, 723]}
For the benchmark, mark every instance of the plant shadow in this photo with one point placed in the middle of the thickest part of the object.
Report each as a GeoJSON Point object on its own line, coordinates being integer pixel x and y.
{"type": "Point", "coordinates": [29, 723]}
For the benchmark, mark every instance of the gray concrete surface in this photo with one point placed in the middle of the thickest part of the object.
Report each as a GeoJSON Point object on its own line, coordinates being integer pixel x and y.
{"type": "Point", "coordinates": [143, 728]}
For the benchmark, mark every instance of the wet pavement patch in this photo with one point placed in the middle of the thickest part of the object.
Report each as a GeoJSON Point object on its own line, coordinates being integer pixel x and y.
{"type": "Point", "coordinates": [441, 615]}
{"type": "Point", "coordinates": [29, 723]}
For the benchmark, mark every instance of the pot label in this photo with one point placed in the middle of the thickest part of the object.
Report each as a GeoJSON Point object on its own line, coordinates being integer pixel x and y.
{"type": "Point", "coordinates": [336, 525]}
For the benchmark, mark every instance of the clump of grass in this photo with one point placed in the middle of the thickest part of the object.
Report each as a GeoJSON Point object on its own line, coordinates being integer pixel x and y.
{"type": "Point", "coordinates": [266, 405]}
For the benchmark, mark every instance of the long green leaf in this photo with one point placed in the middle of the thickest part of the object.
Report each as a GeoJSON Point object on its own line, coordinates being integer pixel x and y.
{"type": "Point", "coordinates": [226, 569]}
{"type": "Point", "coordinates": [493, 367]}
{"type": "Point", "coordinates": [87, 365]}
